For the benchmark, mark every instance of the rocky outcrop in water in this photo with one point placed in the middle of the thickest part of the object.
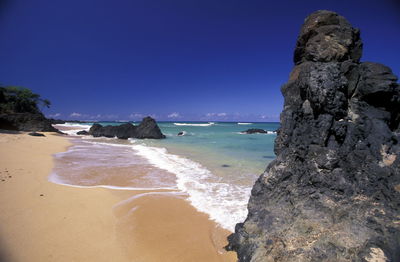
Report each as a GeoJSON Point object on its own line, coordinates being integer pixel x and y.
{"type": "Point", "coordinates": [26, 122]}
{"type": "Point", "coordinates": [333, 191]}
{"type": "Point", "coordinates": [148, 128]}
{"type": "Point", "coordinates": [56, 121]}
{"type": "Point", "coordinates": [82, 133]}
{"type": "Point", "coordinates": [255, 131]}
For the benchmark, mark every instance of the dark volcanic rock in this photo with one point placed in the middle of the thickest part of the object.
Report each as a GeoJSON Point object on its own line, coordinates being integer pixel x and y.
{"type": "Point", "coordinates": [56, 121]}
{"type": "Point", "coordinates": [123, 131]}
{"type": "Point", "coordinates": [82, 133]}
{"type": "Point", "coordinates": [333, 191]}
{"type": "Point", "coordinates": [254, 131]}
{"type": "Point", "coordinates": [181, 133]}
{"type": "Point", "coordinates": [148, 128]}
{"type": "Point", "coordinates": [325, 37]}
{"type": "Point", "coordinates": [26, 122]}
{"type": "Point", "coordinates": [36, 134]}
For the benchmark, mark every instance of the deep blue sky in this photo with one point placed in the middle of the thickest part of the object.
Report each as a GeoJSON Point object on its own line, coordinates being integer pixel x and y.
{"type": "Point", "coordinates": [186, 59]}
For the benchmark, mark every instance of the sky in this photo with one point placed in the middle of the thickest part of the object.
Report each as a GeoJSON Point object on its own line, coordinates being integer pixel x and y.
{"type": "Point", "coordinates": [177, 60]}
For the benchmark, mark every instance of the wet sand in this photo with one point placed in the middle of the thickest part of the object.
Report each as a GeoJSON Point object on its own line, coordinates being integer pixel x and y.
{"type": "Point", "coordinates": [42, 221]}
{"type": "Point", "coordinates": [169, 229]}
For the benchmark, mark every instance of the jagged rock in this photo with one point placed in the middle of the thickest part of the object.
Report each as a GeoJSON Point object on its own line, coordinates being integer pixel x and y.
{"type": "Point", "coordinates": [327, 36]}
{"type": "Point", "coordinates": [36, 134]}
{"type": "Point", "coordinates": [123, 131]}
{"type": "Point", "coordinates": [82, 133]}
{"type": "Point", "coordinates": [254, 131]}
{"type": "Point", "coordinates": [26, 122]}
{"type": "Point", "coordinates": [333, 191]}
{"type": "Point", "coordinates": [148, 128]}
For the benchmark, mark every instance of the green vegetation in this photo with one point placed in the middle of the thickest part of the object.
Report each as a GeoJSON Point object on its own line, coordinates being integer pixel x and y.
{"type": "Point", "coordinates": [15, 99]}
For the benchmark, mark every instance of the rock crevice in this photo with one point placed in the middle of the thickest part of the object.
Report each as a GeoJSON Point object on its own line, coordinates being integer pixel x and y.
{"type": "Point", "coordinates": [332, 193]}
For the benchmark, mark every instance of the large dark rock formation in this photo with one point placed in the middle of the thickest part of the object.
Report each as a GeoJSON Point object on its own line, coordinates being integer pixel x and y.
{"type": "Point", "coordinates": [333, 192]}
{"type": "Point", "coordinates": [19, 110]}
{"type": "Point", "coordinates": [148, 128]}
{"type": "Point", "coordinates": [26, 122]}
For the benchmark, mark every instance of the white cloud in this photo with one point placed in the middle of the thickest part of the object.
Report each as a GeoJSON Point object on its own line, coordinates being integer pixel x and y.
{"type": "Point", "coordinates": [272, 117]}
{"type": "Point", "coordinates": [136, 115]}
{"type": "Point", "coordinates": [74, 114]}
{"type": "Point", "coordinates": [216, 115]}
{"type": "Point", "coordinates": [111, 116]}
{"type": "Point", "coordinates": [174, 115]}
{"type": "Point", "coordinates": [54, 115]}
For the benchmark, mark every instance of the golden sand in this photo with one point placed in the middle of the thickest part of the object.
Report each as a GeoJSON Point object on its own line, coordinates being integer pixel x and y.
{"type": "Point", "coordinates": [42, 221]}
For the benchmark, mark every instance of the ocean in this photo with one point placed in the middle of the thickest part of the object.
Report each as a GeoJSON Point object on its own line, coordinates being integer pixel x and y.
{"type": "Point", "coordinates": [213, 163]}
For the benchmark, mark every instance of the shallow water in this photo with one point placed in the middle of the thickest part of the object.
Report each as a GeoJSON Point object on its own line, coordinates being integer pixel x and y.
{"type": "Point", "coordinates": [213, 163]}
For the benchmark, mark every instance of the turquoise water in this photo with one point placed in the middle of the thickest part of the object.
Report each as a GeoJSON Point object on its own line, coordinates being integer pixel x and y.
{"type": "Point", "coordinates": [221, 147]}
{"type": "Point", "coordinates": [213, 162]}
{"type": "Point", "coordinates": [218, 145]}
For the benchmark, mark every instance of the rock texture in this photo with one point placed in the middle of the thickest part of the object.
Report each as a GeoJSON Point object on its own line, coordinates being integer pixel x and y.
{"type": "Point", "coordinates": [333, 191]}
{"type": "Point", "coordinates": [36, 134]}
{"type": "Point", "coordinates": [26, 122]}
{"type": "Point", "coordinates": [148, 128]}
{"type": "Point", "coordinates": [82, 133]}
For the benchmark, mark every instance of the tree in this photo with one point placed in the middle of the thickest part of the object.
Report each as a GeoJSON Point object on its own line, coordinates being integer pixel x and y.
{"type": "Point", "coordinates": [20, 100]}
{"type": "Point", "coordinates": [46, 103]}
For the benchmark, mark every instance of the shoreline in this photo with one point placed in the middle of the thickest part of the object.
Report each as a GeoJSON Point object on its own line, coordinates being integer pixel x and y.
{"type": "Point", "coordinates": [43, 221]}
{"type": "Point", "coordinates": [217, 181]}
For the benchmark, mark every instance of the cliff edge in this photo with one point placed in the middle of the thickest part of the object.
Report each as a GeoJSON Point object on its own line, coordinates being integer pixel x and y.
{"type": "Point", "coordinates": [333, 191]}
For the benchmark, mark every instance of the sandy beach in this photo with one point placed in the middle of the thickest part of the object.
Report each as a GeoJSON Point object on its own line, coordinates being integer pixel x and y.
{"type": "Point", "coordinates": [43, 221]}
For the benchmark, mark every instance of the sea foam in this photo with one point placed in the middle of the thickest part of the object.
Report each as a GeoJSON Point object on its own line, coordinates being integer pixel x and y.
{"type": "Point", "coordinates": [224, 203]}
{"type": "Point", "coordinates": [54, 178]}
{"type": "Point", "coordinates": [191, 124]}
{"type": "Point", "coordinates": [73, 165]}
{"type": "Point", "coordinates": [268, 133]}
{"type": "Point", "coordinates": [75, 125]}
{"type": "Point", "coordinates": [66, 128]}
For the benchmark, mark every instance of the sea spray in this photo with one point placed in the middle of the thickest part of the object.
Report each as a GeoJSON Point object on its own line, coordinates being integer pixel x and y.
{"type": "Point", "coordinates": [195, 124]}
{"type": "Point", "coordinates": [224, 203]}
